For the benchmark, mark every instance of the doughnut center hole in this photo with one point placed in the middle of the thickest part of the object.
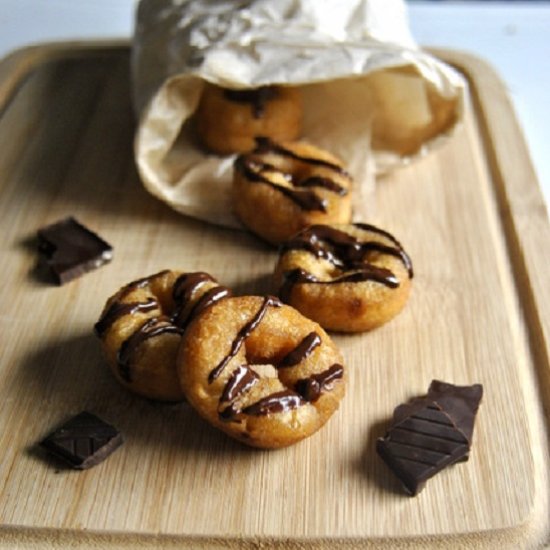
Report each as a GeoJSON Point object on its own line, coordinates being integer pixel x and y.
{"type": "Point", "coordinates": [265, 364]}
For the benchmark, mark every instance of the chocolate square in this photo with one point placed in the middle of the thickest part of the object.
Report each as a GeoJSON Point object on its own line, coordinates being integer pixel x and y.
{"type": "Point", "coordinates": [70, 249]}
{"type": "Point", "coordinates": [430, 433]}
{"type": "Point", "coordinates": [84, 441]}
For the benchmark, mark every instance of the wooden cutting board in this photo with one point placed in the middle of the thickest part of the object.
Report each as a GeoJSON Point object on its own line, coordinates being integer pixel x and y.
{"type": "Point", "coordinates": [473, 220]}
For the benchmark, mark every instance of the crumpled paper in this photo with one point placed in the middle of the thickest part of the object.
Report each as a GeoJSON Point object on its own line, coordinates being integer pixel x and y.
{"type": "Point", "coordinates": [370, 95]}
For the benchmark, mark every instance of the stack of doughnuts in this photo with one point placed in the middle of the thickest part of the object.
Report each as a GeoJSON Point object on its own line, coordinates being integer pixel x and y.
{"type": "Point", "coordinates": [252, 366]}
{"type": "Point", "coordinates": [280, 185]}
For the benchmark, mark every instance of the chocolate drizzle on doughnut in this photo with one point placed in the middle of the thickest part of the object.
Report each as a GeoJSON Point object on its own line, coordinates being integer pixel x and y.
{"type": "Point", "coordinates": [300, 192]}
{"type": "Point", "coordinates": [278, 402]}
{"type": "Point", "coordinates": [257, 97]}
{"type": "Point", "coordinates": [243, 334]}
{"type": "Point", "coordinates": [266, 145]}
{"type": "Point", "coordinates": [325, 183]}
{"type": "Point", "coordinates": [301, 351]}
{"type": "Point", "coordinates": [311, 388]}
{"type": "Point", "coordinates": [184, 288]}
{"type": "Point", "coordinates": [345, 252]}
{"type": "Point", "coordinates": [254, 169]}
{"type": "Point", "coordinates": [306, 390]}
{"type": "Point", "coordinates": [400, 252]}
{"type": "Point", "coordinates": [187, 284]}
{"type": "Point", "coordinates": [241, 380]}
{"type": "Point", "coordinates": [117, 311]}
{"type": "Point", "coordinates": [150, 329]}
{"type": "Point", "coordinates": [282, 401]}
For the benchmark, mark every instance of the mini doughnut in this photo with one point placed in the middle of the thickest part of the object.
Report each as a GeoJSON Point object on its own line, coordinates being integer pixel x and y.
{"type": "Point", "coordinates": [228, 121]}
{"type": "Point", "coordinates": [348, 278]}
{"type": "Point", "coordinates": [260, 371]}
{"type": "Point", "coordinates": [141, 327]}
{"type": "Point", "coordinates": [278, 189]}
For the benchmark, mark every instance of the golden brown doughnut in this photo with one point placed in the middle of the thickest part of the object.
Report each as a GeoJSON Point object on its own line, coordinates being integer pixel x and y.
{"type": "Point", "coordinates": [228, 121]}
{"type": "Point", "coordinates": [141, 327]}
{"type": "Point", "coordinates": [260, 371]}
{"type": "Point", "coordinates": [348, 278]}
{"type": "Point", "coordinates": [278, 189]}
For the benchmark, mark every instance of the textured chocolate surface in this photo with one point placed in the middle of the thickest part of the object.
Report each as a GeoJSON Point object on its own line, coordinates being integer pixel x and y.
{"type": "Point", "coordinates": [430, 433]}
{"type": "Point", "coordinates": [84, 441]}
{"type": "Point", "coordinates": [71, 250]}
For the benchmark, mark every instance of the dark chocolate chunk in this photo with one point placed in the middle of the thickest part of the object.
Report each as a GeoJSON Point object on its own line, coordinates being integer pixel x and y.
{"type": "Point", "coordinates": [71, 250]}
{"type": "Point", "coordinates": [84, 441]}
{"type": "Point", "coordinates": [460, 402]}
{"type": "Point", "coordinates": [430, 433]}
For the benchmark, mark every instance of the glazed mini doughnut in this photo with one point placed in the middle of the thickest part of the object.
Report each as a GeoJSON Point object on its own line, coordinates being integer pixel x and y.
{"type": "Point", "coordinates": [260, 371]}
{"type": "Point", "coordinates": [228, 121]}
{"type": "Point", "coordinates": [348, 278]}
{"type": "Point", "coordinates": [141, 327]}
{"type": "Point", "coordinates": [278, 189]}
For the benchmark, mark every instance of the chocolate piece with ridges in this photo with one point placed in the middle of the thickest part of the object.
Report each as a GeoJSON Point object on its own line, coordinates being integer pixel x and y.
{"type": "Point", "coordinates": [84, 441]}
{"type": "Point", "coordinates": [430, 433]}
{"type": "Point", "coordinates": [459, 402]}
{"type": "Point", "coordinates": [71, 250]}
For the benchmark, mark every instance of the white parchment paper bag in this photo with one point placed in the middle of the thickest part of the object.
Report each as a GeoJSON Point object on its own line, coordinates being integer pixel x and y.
{"type": "Point", "coordinates": [370, 95]}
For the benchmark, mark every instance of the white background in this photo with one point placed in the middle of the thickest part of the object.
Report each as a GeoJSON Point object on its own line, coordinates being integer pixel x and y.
{"type": "Point", "coordinates": [513, 36]}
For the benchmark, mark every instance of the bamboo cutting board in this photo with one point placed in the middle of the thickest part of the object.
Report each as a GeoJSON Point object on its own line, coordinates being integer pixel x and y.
{"type": "Point", "coordinates": [474, 222]}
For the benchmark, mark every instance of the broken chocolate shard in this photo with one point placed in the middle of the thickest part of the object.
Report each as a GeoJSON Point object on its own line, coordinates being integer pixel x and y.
{"type": "Point", "coordinates": [430, 433]}
{"type": "Point", "coordinates": [71, 249]}
{"type": "Point", "coordinates": [84, 441]}
{"type": "Point", "coordinates": [460, 402]}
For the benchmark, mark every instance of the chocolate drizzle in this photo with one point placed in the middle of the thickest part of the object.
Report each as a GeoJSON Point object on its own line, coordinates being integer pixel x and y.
{"type": "Point", "coordinates": [242, 335]}
{"type": "Point", "coordinates": [300, 192]}
{"type": "Point", "coordinates": [266, 145]}
{"type": "Point", "coordinates": [241, 380]}
{"type": "Point", "coordinates": [282, 401]}
{"type": "Point", "coordinates": [118, 310]}
{"type": "Point", "coordinates": [311, 388]}
{"type": "Point", "coordinates": [345, 252]}
{"type": "Point", "coordinates": [183, 291]}
{"type": "Point", "coordinates": [187, 284]}
{"type": "Point", "coordinates": [243, 377]}
{"type": "Point", "coordinates": [185, 287]}
{"type": "Point", "coordinates": [150, 329]}
{"type": "Point", "coordinates": [325, 183]}
{"type": "Point", "coordinates": [368, 273]}
{"type": "Point", "coordinates": [400, 252]}
{"type": "Point", "coordinates": [257, 97]}
{"type": "Point", "coordinates": [301, 351]}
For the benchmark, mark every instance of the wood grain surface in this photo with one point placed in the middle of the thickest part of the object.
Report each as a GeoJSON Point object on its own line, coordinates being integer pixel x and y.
{"type": "Point", "coordinates": [474, 222]}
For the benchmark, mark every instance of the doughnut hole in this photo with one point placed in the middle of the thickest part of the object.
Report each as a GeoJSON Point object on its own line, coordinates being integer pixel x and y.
{"type": "Point", "coordinates": [225, 126]}
{"type": "Point", "coordinates": [209, 340]}
{"type": "Point", "coordinates": [346, 306]}
{"type": "Point", "coordinates": [271, 214]}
